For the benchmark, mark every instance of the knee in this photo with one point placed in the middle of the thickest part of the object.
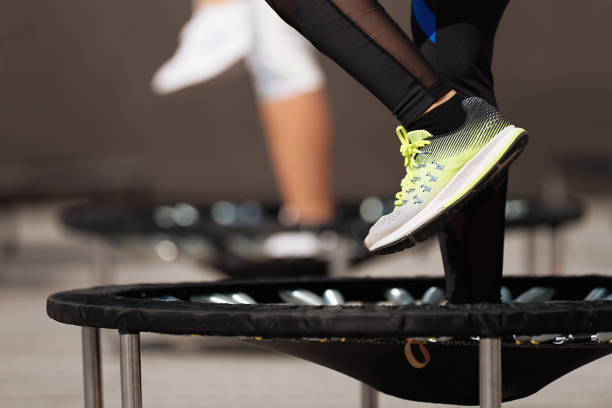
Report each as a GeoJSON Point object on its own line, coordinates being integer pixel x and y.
{"type": "Point", "coordinates": [279, 76]}
{"type": "Point", "coordinates": [283, 64]}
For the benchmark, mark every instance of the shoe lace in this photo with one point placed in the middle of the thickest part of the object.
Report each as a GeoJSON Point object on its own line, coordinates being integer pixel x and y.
{"type": "Point", "coordinates": [410, 150]}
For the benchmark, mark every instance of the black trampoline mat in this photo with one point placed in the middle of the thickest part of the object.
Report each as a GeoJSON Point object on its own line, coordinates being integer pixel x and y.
{"type": "Point", "coordinates": [451, 376]}
{"type": "Point", "coordinates": [131, 308]}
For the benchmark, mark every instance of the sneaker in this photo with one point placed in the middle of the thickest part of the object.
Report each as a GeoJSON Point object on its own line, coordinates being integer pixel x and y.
{"type": "Point", "coordinates": [215, 38]}
{"type": "Point", "coordinates": [444, 172]}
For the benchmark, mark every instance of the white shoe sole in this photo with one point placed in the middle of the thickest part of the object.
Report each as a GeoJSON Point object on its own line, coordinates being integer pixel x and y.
{"type": "Point", "coordinates": [478, 169]}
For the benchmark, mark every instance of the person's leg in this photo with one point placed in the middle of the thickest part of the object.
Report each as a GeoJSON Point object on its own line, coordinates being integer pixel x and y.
{"type": "Point", "coordinates": [299, 141]}
{"type": "Point", "coordinates": [363, 39]}
{"type": "Point", "coordinates": [457, 39]}
{"type": "Point", "coordinates": [290, 90]}
{"type": "Point", "coordinates": [472, 244]}
{"type": "Point", "coordinates": [451, 152]}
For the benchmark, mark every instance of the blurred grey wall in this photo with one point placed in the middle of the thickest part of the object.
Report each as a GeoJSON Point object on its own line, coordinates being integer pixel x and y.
{"type": "Point", "coordinates": [74, 85]}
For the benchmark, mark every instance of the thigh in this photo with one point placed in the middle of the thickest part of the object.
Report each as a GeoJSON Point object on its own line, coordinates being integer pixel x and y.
{"type": "Point", "coordinates": [457, 38]}
{"type": "Point", "coordinates": [282, 61]}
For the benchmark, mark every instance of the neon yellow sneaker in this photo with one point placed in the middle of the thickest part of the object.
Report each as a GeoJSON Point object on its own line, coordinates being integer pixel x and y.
{"type": "Point", "coordinates": [444, 172]}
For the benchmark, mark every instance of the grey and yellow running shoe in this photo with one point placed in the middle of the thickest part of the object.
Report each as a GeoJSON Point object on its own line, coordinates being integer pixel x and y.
{"type": "Point", "coordinates": [444, 172]}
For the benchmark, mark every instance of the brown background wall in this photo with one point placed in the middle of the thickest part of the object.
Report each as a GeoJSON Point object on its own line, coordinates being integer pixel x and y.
{"type": "Point", "coordinates": [74, 84]}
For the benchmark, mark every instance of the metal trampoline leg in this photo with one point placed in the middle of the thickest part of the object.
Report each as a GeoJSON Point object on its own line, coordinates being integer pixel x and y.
{"type": "Point", "coordinates": [490, 373]}
{"type": "Point", "coordinates": [92, 367]}
{"type": "Point", "coordinates": [555, 251]}
{"type": "Point", "coordinates": [131, 389]}
{"type": "Point", "coordinates": [369, 396]}
{"type": "Point", "coordinates": [102, 262]}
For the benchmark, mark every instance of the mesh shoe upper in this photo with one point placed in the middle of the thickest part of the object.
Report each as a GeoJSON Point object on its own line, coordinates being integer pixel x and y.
{"type": "Point", "coordinates": [438, 161]}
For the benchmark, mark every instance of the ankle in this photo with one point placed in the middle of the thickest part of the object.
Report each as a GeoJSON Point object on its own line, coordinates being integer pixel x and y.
{"type": "Point", "coordinates": [444, 116]}
{"type": "Point", "coordinates": [446, 97]}
{"type": "Point", "coordinates": [307, 214]}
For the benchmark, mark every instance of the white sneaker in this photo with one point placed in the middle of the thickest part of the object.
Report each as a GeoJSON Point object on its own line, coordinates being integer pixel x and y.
{"type": "Point", "coordinates": [292, 244]}
{"type": "Point", "coordinates": [215, 38]}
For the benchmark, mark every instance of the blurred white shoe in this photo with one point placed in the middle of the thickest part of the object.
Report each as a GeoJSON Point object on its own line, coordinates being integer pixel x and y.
{"type": "Point", "coordinates": [215, 38]}
{"type": "Point", "coordinates": [292, 244]}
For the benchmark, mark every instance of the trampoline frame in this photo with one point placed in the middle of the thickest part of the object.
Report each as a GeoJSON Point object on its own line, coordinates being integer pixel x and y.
{"type": "Point", "coordinates": [131, 384]}
{"type": "Point", "coordinates": [101, 307]}
{"type": "Point", "coordinates": [490, 347]}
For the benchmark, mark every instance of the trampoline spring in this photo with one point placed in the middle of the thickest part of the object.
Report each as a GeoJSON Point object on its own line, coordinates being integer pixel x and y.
{"type": "Point", "coordinates": [399, 296]}
{"type": "Point", "coordinates": [535, 294]}
{"type": "Point", "coordinates": [333, 297]}
{"type": "Point", "coordinates": [242, 298]}
{"type": "Point", "coordinates": [543, 338]}
{"type": "Point", "coordinates": [301, 297]}
{"type": "Point", "coordinates": [596, 294]}
{"type": "Point", "coordinates": [604, 337]}
{"type": "Point", "coordinates": [518, 339]}
{"type": "Point", "coordinates": [433, 296]}
{"type": "Point", "coordinates": [213, 298]}
{"type": "Point", "coordinates": [441, 339]}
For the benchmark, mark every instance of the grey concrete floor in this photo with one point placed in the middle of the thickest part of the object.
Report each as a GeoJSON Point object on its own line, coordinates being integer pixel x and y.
{"type": "Point", "coordinates": [41, 359]}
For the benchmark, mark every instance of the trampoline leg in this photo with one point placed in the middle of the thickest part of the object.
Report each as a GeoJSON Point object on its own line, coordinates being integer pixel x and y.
{"type": "Point", "coordinates": [102, 262]}
{"type": "Point", "coordinates": [339, 259]}
{"type": "Point", "coordinates": [131, 389]}
{"type": "Point", "coordinates": [490, 373]}
{"type": "Point", "coordinates": [369, 396]}
{"type": "Point", "coordinates": [92, 367]}
{"type": "Point", "coordinates": [531, 252]}
{"type": "Point", "coordinates": [555, 251]}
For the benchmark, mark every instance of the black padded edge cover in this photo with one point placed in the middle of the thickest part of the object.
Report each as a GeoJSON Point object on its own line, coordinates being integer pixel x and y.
{"type": "Point", "coordinates": [125, 308]}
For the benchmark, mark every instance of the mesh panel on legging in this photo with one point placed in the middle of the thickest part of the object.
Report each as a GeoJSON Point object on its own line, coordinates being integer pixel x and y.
{"type": "Point", "coordinates": [364, 40]}
{"type": "Point", "coordinates": [461, 50]}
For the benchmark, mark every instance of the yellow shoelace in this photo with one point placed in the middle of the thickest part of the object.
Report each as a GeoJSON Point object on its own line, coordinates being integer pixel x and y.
{"type": "Point", "coordinates": [409, 150]}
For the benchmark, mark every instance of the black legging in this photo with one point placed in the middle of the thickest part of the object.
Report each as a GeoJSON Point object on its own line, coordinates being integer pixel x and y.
{"type": "Point", "coordinates": [455, 40]}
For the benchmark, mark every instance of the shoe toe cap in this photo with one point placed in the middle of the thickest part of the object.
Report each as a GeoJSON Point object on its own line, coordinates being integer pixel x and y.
{"type": "Point", "coordinates": [388, 224]}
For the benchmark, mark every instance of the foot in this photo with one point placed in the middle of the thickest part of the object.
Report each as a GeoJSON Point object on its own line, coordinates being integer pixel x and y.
{"type": "Point", "coordinates": [444, 172]}
{"type": "Point", "coordinates": [215, 38]}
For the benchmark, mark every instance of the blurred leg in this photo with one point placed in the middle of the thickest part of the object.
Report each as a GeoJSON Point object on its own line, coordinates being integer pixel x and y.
{"type": "Point", "coordinates": [298, 135]}
{"type": "Point", "coordinates": [202, 3]}
{"type": "Point", "coordinates": [295, 115]}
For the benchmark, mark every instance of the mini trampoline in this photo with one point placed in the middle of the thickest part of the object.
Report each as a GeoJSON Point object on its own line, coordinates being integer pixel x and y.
{"type": "Point", "coordinates": [231, 235]}
{"type": "Point", "coordinates": [423, 351]}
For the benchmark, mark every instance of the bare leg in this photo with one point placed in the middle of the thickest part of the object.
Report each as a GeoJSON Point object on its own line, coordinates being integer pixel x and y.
{"type": "Point", "coordinates": [197, 4]}
{"type": "Point", "coordinates": [298, 132]}
{"type": "Point", "coordinates": [440, 101]}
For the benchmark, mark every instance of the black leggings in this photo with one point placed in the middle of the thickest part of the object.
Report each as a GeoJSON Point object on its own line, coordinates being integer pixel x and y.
{"type": "Point", "coordinates": [452, 48]}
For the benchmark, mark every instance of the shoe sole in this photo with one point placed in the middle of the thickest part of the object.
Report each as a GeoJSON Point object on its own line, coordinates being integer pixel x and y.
{"type": "Point", "coordinates": [477, 174]}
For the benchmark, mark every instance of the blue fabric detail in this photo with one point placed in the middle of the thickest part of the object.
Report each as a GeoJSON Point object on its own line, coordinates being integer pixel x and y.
{"type": "Point", "coordinates": [426, 18]}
